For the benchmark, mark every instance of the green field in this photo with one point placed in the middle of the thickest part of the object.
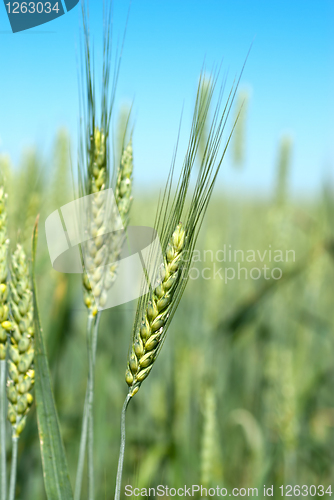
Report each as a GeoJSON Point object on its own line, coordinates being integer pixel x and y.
{"type": "Point", "coordinates": [242, 393]}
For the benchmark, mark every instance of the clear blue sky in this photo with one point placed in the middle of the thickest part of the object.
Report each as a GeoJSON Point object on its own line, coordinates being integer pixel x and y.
{"type": "Point", "coordinates": [289, 73]}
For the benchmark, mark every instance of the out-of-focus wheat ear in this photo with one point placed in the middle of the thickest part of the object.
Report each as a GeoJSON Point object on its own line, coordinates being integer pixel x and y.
{"type": "Point", "coordinates": [280, 403]}
{"type": "Point", "coordinates": [210, 453]}
{"type": "Point", "coordinates": [61, 168]}
{"type": "Point", "coordinates": [29, 184]}
{"type": "Point", "coordinates": [4, 327]}
{"type": "Point", "coordinates": [283, 169]}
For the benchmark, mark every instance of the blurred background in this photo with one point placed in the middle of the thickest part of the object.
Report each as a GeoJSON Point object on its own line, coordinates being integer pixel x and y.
{"type": "Point", "coordinates": [242, 394]}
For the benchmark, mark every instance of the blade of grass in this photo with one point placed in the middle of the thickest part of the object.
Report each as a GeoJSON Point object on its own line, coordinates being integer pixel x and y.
{"type": "Point", "coordinates": [56, 475]}
{"type": "Point", "coordinates": [82, 451]}
{"type": "Point", "coordinates": [13, 472]}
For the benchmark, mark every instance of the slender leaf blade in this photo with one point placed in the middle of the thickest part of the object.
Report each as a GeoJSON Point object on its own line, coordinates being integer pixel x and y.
{"type": "Point", "coordinates": [56, 475]}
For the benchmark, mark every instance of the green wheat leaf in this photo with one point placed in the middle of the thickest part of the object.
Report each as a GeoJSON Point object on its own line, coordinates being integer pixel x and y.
{"type": "Point", "coordinates": [56, 476]}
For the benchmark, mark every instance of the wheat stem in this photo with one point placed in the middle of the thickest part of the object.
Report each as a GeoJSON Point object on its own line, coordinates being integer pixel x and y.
{"type": "Point", "coordinates": [82, 453]}
{"type": "Point", "coordinates": [90, 400]}
{"type": "Point", "coordinates": [85, 420]}
{"type": "Point", "coordinates": [94, 338]}
{"type": "Point", "coordinates": [3, 411]}
{"type": "Point", "coordinates": [12, 485]}
{"type": "Point", "coordinates": [92, 343]}
{"type": "Point", "coordinates": [121, 451]}
{"type": "Point", "coordinates": [88, 418]}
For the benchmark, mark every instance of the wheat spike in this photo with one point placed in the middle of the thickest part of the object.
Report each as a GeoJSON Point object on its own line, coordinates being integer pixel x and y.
{"type": "Point", "coordinates": [97, 251]}
{"type": "Point", "coordinates": [4, 309]}
{"type": "Point", "coordinates": [124, 184]}
{"type": "Point", "coordinates": [105, 248]}
{"type": "Point", "coordinates": [155, 311]}
{"type": "Point", "coordinates": [283, 169]}
{"type": "Point", "coordinates": [123, 199]}
{"type": "Point", "coordinates": [147, 338]}
{"type": "Point", "coordinates": [211, 467]}
{"type": "Point", "coordinates": [21, 374]}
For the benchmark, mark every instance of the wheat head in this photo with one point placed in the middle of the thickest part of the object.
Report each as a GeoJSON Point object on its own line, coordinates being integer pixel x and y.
{"type": "Point", "coordinates": [105, 249]}
{"type": "Point", "coordinates": [4, 309]}
{"type": "Point", "coordinates": [155, 311]}
{"type": "Point", "coordinates": [147, 338]}
{"type": "Point", "coordinates": [21, 375]}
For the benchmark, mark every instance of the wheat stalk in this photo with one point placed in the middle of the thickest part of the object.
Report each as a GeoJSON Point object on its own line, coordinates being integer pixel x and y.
{"type": "Point", "coordinates": [101, 253]}
{"type": "Point", "coordinates": [155, 310]}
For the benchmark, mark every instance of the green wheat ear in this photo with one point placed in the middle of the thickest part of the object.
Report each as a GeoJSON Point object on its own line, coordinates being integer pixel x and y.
{"type": "Point", "coordinates": [96, 183]}
{"type": "Point", "coordinates": [4, 309]}
{"type": "Point", "coordinates": [283, 169]}
{"type": "Point", "coordinates": [147, 339]}
{"type": "Point", "coordinates": [21, 375]}
{"type": "Point", "coordinates": [123, 191]}
{"type": "Point", "coordinates": [179, 220]}
{"type": "Point", "coordinates": [178, 224]}
{"type": "Point", "coordinates": [104, 249]}
{"type": "Point", "coordinates": [97, 173]}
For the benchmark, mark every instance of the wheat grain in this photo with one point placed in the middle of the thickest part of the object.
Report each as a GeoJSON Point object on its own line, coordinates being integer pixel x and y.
{"type": "Point", "coordinates": [21, 374]}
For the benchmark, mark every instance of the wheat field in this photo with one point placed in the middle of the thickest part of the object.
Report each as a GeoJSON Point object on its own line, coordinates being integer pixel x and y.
{"type": "Point", "coordinates": [242, 395]}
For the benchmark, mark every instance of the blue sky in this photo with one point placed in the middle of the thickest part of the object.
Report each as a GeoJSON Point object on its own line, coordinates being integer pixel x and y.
{"type": "Point", "coordinates": [289, 75]}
